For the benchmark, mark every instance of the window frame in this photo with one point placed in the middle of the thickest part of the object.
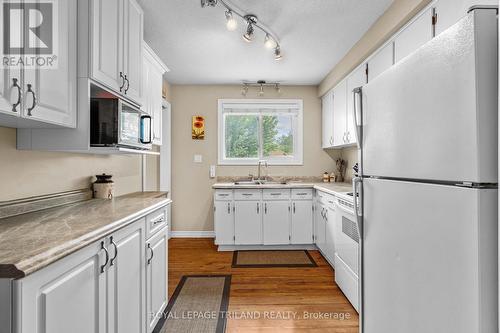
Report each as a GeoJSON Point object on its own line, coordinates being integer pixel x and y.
{"type": "Point", "coordinates": [258, 104]}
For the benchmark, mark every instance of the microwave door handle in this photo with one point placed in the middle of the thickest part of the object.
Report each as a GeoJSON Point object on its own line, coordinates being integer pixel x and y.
{"type": "Point", "coordinates": [143, 140]}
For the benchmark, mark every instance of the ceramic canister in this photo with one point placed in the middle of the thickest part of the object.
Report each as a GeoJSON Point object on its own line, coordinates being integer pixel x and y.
{"type": "Point", "coordinates": [103, 187]}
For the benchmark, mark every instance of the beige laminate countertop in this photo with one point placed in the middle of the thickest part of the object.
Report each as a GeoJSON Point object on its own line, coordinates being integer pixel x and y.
{"type": "Point", "coordinates": [32, 241]}
{"type": "Point", "coordinates": [332, 188]}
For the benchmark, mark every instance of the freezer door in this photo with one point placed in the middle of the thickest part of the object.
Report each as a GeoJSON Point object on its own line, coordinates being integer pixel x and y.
{"type": "Point", "coordinates": [429, 258]}
{"type": "Point", "coordinates": [433, 116]}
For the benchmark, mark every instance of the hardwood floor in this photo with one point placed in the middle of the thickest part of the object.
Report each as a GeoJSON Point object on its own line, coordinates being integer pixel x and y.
{"type": "Point", "coordinates": [268, 292]}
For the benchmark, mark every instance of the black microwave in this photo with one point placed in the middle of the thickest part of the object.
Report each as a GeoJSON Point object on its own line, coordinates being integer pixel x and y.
{"type": "Point", "coordinates": [115, 123]}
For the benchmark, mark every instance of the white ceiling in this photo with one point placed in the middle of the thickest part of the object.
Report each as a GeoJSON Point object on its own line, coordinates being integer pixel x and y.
{"type": "Point", "coordinates": [315, 34]}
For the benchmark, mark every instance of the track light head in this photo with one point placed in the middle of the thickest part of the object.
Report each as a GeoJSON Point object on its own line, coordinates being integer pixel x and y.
{"type": "Point", "coordinates": [244, 91]}
{"type": "Point", "coordinates": [277, 53]}
{"type": "Point", "coordinates": [248, 36]}
{"type": "Point", "coordinates": [269, 42]}
{"type": "Point", "coordinates": [261, 90]}
{"type": "Point", "coordinates": [231, 23]}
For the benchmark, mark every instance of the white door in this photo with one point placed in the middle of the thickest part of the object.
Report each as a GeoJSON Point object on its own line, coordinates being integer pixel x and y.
{"type": "Point", "coordinates": [126, 287]}
{"type": "Point", "coordinates": [133, 50]}
{"type": "Point", "coordinates": [50, 93]}
{"type": "Point", "coordinates": [381, 61]}
{"type": "Point", "coordinates": [327, 120]}
{"type": "Point", "coordinates": [339, 114]}
{"type": "Point", "coordinates": [276, 222]}
{"type": "Point", "coordinates": [355, 80]}
{"type": "Point", "coordinates": [435, 243]}
{"type": "Point", "coordinates": [224, 223]}
{"type": "Point", "coordinates": [460, 98]}
{"type": "Point", "coordinates": [67, 296]}
{"type": "Point", "coordinates": [302, 222]}
{"type": "Point", "coordinates": [107, 43]}
{"type": "Point", "coordinates": [319, 227]}
{"type": "Point", "coordinates": [330, 235]}
{"type": "Point", "coordinates": [10, 79]}
{"type": "Point", "coordinates": [156, 277]}
{"type": "Point", "coordinates": [248, 222]}
{"type": "Point", "coordinates": [413, 36]}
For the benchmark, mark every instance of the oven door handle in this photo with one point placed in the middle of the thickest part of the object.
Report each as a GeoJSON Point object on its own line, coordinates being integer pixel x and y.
{"type": "Point", "coordinates": [144, 129]}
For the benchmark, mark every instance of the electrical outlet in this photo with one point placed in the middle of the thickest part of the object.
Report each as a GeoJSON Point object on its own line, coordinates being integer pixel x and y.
{"type": "Point", "coordinates": [212, 171]}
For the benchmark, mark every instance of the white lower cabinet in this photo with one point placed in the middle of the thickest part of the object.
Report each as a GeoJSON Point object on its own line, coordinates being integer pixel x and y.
{"type": "Point", "coordinates": [276, 223]}
{"type": "Point", "coordinates": [156, 277]}
{"type": "Point", "coordinates": [330, 230]}
{"type": "Point", "coordinates": [224, 222]}
{"type": "Point", "coordinates": [302, 222]}
{"type": "Point", "coordinates": [248, 222]}
{"type": "Point", "coordinates": [126, 276]}
{"type": "Point", "coordinates": [320, 226]}
{"type": "Point", "coordinates": [108, 286]}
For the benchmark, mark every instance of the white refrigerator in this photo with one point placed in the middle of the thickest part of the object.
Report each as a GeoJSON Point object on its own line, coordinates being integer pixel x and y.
{"type": "Point", "coordinates": [427, 193]}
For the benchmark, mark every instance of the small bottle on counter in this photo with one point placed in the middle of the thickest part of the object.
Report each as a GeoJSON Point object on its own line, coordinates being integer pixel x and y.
{"type": "Point", "coordinates": [326, 177]}
{"type": "Point", "coordinates": [103, 187]}
{"type": "Point", "coordinates": [333, 177]}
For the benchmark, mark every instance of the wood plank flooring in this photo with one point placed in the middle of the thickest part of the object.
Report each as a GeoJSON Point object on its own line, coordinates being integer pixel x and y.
{"type": "Point", "coordinates": [268, 294]}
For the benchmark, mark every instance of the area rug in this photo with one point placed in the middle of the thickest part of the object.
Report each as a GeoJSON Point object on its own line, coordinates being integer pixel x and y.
{"type": "Point", "coordinates": [268, 259]}
{"type": "Point", "coordinates": [199, 304]}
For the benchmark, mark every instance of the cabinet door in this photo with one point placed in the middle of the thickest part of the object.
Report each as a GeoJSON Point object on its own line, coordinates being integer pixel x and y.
{"type": "Point", "coordinates": [302, 222]}
{"type": "Point", "coordinates": [339, 113]}
{"type": "Point", "coordinates": [67, 296]}
{"type": "Point", "coordinates": [276, 223]}
{"type": "Point", "coordinates": [413, 36]}
{"type": "Point", "coordinates": [50, 93]}
{"type": "Point", "coordinates": [330, 235]}
{"type": "Point", "coordinates": [107, 43]}
{"type": "Point", "coordinates": [156, 277]}
{"type": "Point", "coordinates": [10, 79]}
{"type": "Point", "coordinates": [327, 120]}
{"type": "Point", "coordinates": [223, 223]}
{"type": "Point", "coordinates": [156, 79]}
{"type": "Point", "coordinates": [381, 61]}
{"type": "Point", "coordinates": [132, 54]}
{"type": "Point", "coordinates": [126, 276]}
{"type": "Point", "coordinates": [355, 80]}
{"type": "Point", "coordinates": [248, 222]}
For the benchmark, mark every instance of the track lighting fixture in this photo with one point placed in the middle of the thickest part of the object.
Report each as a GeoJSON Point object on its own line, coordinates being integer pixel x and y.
{"type": "Point", "coordinates": [260, 87]}
{"type": "Point", "coordinates": [271, 41]}
{"type": "Point", "coordinates": [231, 23]}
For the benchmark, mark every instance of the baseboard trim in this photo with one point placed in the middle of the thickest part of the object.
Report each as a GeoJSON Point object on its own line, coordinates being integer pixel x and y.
{"type": "Point", "coordinates": [192, 234]}
{"type": "Point", "coordinates": [222, 248]}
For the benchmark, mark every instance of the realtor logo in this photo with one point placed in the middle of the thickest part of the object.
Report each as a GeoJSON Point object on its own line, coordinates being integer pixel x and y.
{"type": "Point", "coordinates": [29, 34]}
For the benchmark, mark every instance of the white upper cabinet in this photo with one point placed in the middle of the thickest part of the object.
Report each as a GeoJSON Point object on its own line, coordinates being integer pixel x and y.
{"type": "Point", "coordinates": [416, 34]}
{"type": "Point", "coordinates": [133, 23]}
{"type": "Point", "coordinates": [339, 114]}
{"type": "Point", "coordinates": [152, 87]}
{"type": "Point", "coordinates": [327, 120]}
{"type": "Point", "coordinates": [107, 43]}
{"type": "Point", "coordinates": [381, 61]}
{"type": "Point", "coordinates": [43, 95]}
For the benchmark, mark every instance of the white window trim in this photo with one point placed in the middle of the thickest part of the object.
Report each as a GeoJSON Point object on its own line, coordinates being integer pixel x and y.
{"type": "Point", "coordinates": [293, 103]}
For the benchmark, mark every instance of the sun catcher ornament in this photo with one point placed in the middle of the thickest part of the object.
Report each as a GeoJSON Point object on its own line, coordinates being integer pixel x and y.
{"type": "Point", "coordinates": [198, 128]}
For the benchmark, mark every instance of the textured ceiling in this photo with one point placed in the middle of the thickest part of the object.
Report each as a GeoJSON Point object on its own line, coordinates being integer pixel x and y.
{"type": "Point", "coordinates": [315, 34]}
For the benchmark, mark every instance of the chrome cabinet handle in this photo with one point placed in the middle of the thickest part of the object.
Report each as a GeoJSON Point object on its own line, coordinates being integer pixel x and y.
{"type": "Point", "coordinates": [152, 254]}
{"type": "Point", "coordinates": [229, 208]}
{"type": "Point", "coordinates": [348, 137]}
{"type": "Point", "coordinates": [159, 220]}
{"type": "Point", "coordinates": [258, 208]}
{"type": "Point", "coordinates": [123, 81]}
{"type": "Point", "coordinates": [107, 256]}
{"type": "Point", "coordinates": [16, 85]}
{"type": "Point", "coordinates": [293, 207]}
{"type": "Point", "coordinates": [34, 99]}
{"type": "Point", "coordinates": [265, 208]}
{"type": "Point", "coordinates": [112, 261]}
{"type": "Point", "coordinates": [331, 140]}
{"type": "Point", "coordinates": [128, 84]}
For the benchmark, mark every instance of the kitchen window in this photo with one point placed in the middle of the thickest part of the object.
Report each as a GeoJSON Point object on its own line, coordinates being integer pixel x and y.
{"type": "Point", "coordinates": [253, 130]}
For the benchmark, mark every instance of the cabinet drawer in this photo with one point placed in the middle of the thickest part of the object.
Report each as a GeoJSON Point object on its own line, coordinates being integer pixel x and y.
{"type": "Point", "coordinates": [321, 197]}
{"type": "Point", "coordinates": [330, 201]}
{"type": "Point", "coordinates": [156, 221]}
{"type": "Point", "coordinates": [277, 194]}
{"type": "Point", "coordinates": [305, 194]}
{"type": "Point", "coordinates": [223, 195]}
{"type": "Point", "coordinates": [247, 194]}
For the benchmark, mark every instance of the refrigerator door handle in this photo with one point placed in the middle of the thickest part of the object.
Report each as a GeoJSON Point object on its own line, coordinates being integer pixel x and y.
{"type": "Point", "coordinates": [357, 190]}
{"type": "Point", "coordinates": [358, 113]}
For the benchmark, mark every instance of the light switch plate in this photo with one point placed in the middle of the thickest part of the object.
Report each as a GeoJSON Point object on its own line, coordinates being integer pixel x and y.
{"type": "Point", "coordinates": [198, 159]}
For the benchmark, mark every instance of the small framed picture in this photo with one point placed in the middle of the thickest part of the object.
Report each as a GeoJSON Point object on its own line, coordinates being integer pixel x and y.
{"type": "Point", "coordinates": [198, 128]}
